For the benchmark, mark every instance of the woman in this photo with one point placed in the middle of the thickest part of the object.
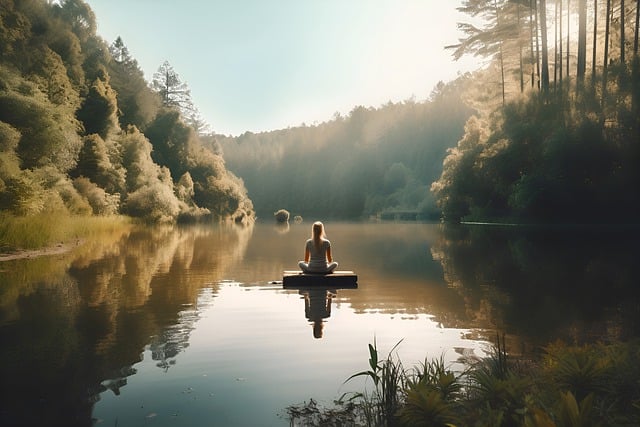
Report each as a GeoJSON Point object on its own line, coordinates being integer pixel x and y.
{"type": "Point", "coordinates": [317, 252]}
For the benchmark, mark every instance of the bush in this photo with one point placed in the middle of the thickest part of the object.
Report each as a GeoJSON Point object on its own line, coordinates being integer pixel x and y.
{"type": "Point", "coordinates": [101, 202]}
{"type": "Point", "coordinates": [281, 215]}
{"type": "Point", "coordinates": [153, 203]}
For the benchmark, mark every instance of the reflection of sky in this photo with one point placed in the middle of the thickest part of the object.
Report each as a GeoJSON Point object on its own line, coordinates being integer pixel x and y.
{"type": "Point", "coordinates": [252, 353]}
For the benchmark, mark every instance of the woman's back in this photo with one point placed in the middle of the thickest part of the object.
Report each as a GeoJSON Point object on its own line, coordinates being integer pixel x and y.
{"type": "Point", "coordinates": [317, 256]}
{"type": "Point", "coordinates": [318, 253]}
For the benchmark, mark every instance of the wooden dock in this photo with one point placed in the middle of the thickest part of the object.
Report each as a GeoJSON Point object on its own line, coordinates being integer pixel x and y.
{"type": "Point", "coordinates": [336, 280]}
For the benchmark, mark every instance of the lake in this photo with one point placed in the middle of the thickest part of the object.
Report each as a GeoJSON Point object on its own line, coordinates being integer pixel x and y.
{"type": "Point", "coordinates": [190, 325]}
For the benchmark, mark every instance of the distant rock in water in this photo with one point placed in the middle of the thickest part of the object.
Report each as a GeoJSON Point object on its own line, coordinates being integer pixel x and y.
{"type": "Point", "coordinates": [281, 215]}
{"type": "Point", "coordinates": [297, 219]}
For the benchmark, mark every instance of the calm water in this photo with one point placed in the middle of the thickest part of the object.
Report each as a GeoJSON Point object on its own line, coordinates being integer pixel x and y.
{"type": "Point", "coordinates": [188, 326]}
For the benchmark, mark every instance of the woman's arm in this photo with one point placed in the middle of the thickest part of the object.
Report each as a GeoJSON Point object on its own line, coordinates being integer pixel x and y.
{"type": "Point", "coordinates": [329, 257]}
{"type": "Point", "coordinates": [307, 254]}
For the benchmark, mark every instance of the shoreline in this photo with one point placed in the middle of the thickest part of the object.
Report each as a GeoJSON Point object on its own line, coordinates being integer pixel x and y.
{"type": "Point", "coordinates": [58, 249]}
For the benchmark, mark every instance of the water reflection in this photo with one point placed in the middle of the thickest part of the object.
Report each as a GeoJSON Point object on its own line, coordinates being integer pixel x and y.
{"type": "Point", "coordinates": [540, 283]}
{"type": "Point", "coordinates": [76, 325]}
{"type": "Point", "coordinates": [317, 307]}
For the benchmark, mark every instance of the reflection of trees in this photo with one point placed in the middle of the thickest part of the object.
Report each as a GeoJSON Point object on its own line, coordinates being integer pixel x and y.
{"type": "Point", "coordinates": [81, 322]}
{"type": "Point", "coordinates": [574, 283]}
{"type": "Point", "coordinates": [171, 341]}
{"type": "Point", "coordinates": [396, 273]}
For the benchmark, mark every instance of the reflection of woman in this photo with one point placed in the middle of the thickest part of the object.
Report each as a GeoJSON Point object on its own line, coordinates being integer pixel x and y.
{"type": "Point", "coordinates": [317, 252]}
{"type": "Point", "coordinates": [317, 306]}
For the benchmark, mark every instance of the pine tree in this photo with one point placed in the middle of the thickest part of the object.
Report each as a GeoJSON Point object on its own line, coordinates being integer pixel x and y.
{"type": "Point", "coordinates": [173, 92]}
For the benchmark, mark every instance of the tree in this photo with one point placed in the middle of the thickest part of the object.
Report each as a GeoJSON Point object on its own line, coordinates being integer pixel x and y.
{"type": "Point", "coordinates": [595, 41]}
{"type": "Point", "coordinates": [487, 41]}
{"type": "Point", "coordinates": [95, 163]}
{"type": "Point", "coordinates": [568, 36]}
{"type": "Point", "coordinates": [635, 34]}
{"type": "Point", "coordinates": [79, 16]}
{"type": "Point", "coordinates": [545, 51]}
{"type": "Point", "coordinates": [622, 30]}
{"type": "Point", "coordinates": [605, 62]}
{"type": "Point", "coordinates": [173, 92]}
{"type": "Point", "coordinates": [176, 94]}
{"type": "Point", "coordinates": [98, 111]}
{"type": "Point", "coordinates": [582, 39]}
{"type": "Point", "coordinates": [172, 140]}
{"type": "Point", "coordinates": [137, 103]}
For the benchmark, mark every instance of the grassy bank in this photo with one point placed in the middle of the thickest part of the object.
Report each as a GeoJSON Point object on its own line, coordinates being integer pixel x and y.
{"type": "Point", "coordinates": [47, 230]}
{"type": "Point", "coordinates": [566, 386]}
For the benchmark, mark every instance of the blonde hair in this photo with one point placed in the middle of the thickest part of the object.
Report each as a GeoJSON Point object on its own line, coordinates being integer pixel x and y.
{"type": "Point", "coordinates": [317, 233]}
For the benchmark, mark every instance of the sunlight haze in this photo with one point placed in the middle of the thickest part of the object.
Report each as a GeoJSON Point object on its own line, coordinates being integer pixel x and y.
{"type": "Point", "coordinates": [256, 66]}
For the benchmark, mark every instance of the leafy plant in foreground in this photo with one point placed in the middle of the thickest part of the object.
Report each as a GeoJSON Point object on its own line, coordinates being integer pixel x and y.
{"type": "Point", "coordinates": [388, 376]}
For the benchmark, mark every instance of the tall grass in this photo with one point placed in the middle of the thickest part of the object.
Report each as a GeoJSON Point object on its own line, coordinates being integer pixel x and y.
{"type": "Point", "coordinates": [46, 230]}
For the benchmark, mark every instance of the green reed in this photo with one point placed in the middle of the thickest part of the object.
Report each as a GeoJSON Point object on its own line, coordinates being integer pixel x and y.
{"type": "Point", "coordinates": [569, 386]}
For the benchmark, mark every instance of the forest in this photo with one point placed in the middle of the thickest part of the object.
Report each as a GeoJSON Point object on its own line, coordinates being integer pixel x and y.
{"type": "Point", "coordinates": [375, 161]}
{"type": "Point", "coordinates": [82, 132]}
{"type": "Point", "coordinates": [561, 144]}
{"type": "Point", "coordinates": [546, 130]}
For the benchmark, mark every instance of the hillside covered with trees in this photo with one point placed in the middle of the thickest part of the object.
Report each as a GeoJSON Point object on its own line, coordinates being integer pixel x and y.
{"type": "Point", "coordinates": [82, 132]}
{"type": "Point", "coordinates": [374, 161]}
{"type": "Point", "coordinates": [546, 131]}
{"type": "Point", "coordinates": [551, 132]}
{"type": "Point", "coordinates": [561, 140]}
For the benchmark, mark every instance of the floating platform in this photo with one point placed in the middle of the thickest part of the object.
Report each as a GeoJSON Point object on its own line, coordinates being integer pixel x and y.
{"type": "Point", "coordinates": [338, 279]}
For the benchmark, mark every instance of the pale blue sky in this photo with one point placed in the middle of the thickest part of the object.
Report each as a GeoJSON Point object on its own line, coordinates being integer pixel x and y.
{"type": "Point", "coordinates": [257, 65]}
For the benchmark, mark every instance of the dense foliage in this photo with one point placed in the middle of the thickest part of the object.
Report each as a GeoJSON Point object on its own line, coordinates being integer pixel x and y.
{"type": "Point", "coordinates": [81, 131]}
{"type": "Point", "coordinates": [374, 161]}
{"type": "Point", "coordinates": [569, 386]}
{"type": "Point", "coordinates": [567, 149]}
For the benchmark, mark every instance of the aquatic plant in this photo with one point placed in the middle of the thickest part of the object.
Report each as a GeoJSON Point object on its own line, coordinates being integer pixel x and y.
{"type": "Point", "coordinates": [568, 386]}
{"type": "Point", "coordinates": [432, 396]}
{"type": "Point", "coordinates": [389, 380]}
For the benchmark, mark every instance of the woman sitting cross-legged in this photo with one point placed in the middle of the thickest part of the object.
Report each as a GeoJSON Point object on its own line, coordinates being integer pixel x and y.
{"type": "Point", "coordinates": [317, 252]}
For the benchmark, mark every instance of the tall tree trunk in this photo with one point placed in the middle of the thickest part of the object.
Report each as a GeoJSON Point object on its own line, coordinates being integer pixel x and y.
{"type": "Point", "coordinates": [545, 53]}
{"type": "Point", "coordinates": [595, 40]}
{"type": "Point", "coordinates": [520, 50]}
{"type": "Point", "coordinates": [582, 39]}
{"type": "Point", "coordinates": [531, 34]}
{"type": "Point", "coordinates": [635, 69]}
{"type": "Point", "coordinates": [622, 14]}
{"type": "Point", "coordinates": [568, 36]}
{"type": "Point", "coordinates": [560, 57]}
{"type": "Point", "coordinates": [607, 30]}
{"type": "Point", "coordinates": [635, 37]}
{"type": "Point", "coordinates": [495, 8]}
{"type": "Point", "coordinates": [605, 67]}
{"type": "Point", "coordinates": [535, 2]}
{"type": "Point", "coordinates": [555, 48]}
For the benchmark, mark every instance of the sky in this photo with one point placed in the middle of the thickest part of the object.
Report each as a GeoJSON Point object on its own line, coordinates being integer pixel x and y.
{"type": "Point", "coordinates": [261, 65]}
